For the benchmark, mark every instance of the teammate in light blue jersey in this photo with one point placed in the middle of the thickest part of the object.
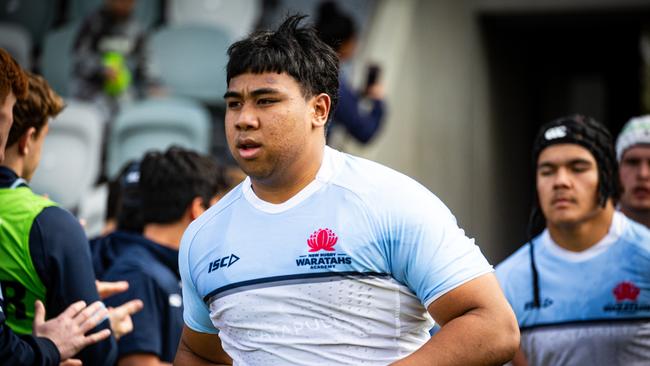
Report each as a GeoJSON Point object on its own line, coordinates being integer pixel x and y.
{"type": "Point", "coordinates": [581, 288]}
{"type": "Point", "coordinates": [633, 154]}
{"type": "Point", "coordinates": [321, 258]}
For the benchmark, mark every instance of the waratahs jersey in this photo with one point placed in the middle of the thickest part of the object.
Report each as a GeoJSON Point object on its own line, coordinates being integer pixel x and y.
{"type": "Point", "coordinates": [342, 273]}
{"type": "Point", "coordinates": [595, 304]}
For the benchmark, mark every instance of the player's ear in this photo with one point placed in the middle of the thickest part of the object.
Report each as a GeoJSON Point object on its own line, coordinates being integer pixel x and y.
{"type": "Point", "coordinates": [26, 141]}
{"type": "Point", "coordinates": [320, 105]}
{"type": "Point", "coordinates": [196, 208]}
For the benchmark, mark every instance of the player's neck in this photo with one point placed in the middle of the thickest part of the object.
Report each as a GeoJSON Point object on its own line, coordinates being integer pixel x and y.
{"type": "Point", "coordinates": [292, 179]}
{"type": "Point", "coordinates": [14, 161]}
{"type": "Point", "coordinates": [640, 216]}
{"type": "Point", "coordinates": [583, 235]}
{"type": "Point", "coordinates": [167, 235]}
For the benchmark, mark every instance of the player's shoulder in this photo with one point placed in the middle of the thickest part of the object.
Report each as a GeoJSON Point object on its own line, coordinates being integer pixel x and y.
{"type": "Point", "coordinates": [220, 208]}
{"type": "Point", "coordinates": [357, 172]}
{"type": "Point", "coordinates": [210, 218]}
{"type": "Point", "coordinates": [517, 265]}
{"type": "Point", "coordinates": [636, 235]}
{"type": "Point", "coordinates": [379, 185]}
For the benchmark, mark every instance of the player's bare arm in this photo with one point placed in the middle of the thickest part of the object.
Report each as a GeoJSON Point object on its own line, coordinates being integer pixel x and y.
{"type": "Point", "coordinates": [478, 327]}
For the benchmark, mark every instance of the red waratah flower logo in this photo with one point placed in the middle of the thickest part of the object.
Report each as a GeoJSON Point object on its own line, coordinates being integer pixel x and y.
{"type": "Point", "coordinates": [626, 291]}
{"type": "Point", "coordinates": [322, 239]}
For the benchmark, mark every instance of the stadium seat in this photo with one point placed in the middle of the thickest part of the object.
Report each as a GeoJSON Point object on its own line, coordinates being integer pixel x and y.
{"type": "Point", "coordinates": [147, 12]}
{"type": "Point", "coordinates": [37, 16]}
{"type": "Point", "coordinates": [16, 40]}
{"type": "Point", "coordinates": [71, 155]}
{"type": "Point", "coordinates": [236, 17]}
{"type": "Point", "coordinates": [190, 61]}
{"type": "Point", "coordinates": [56, 59]}
{"type": "Point", "coordinates": [92, 210]}
{"type": "Point", "coordinates": [156, 124]}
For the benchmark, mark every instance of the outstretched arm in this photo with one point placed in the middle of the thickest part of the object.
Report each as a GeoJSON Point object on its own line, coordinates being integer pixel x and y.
{"type": "Point", "coordinates": [478, 327]}
{"type": "Point", "coordinates": [200, 349]}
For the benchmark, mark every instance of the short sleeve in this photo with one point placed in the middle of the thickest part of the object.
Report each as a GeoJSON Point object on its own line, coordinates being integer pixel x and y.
{"type": "Point", "coordinates": [428, 251]}
{"type": "Point", "coordinates": [196, 314]}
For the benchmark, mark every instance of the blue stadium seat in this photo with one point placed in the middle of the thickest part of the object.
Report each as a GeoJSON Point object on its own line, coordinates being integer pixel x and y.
{"type": "Point", "coordinates": [190, 60]}
{"type": "Point", "coordinates": [236, 17]}
{"type": "Point", "coordinates": [71, 155]}
{"type": "Point", "coordinates": [56, 58]}
{"type": "Point", "coordinates": [37, 16]}
{"type": "Point", "coordinates": [147, 12]}
{"type": "Point", "coordinates": [156, 124]}
{"type": "Point", "coordinates": [16, 40]}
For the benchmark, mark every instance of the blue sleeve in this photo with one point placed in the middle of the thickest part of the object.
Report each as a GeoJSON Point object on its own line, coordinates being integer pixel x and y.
{"type": "Point", "coordinates": [148, 329]}
{"type": "Point", "coordinates": [428, 251]}
{"type": "Point", "coordinates": [61, 256]}
{"type": "Point", "coordinates": [362, 126]}
{"type": "Point", "coordinates": [196, 314]}
{"type": "Point", "coordinates": [25, 350]}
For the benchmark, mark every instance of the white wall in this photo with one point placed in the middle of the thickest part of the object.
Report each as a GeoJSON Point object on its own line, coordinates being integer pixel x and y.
{"type": "Point", "coordinates": [437, 128]}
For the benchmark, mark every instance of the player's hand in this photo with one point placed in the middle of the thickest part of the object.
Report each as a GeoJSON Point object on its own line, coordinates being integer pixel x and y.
{"type": "Point", "coordinates": [68, 330]}
{"type": "Point", "coordinates": [120, 317]}
{"type": "Point", "coordinates": [106, 289]}
{"type": "Point", "coordinates": [110, 73]}
{"type": "Point", "coordinates": [376, 91]}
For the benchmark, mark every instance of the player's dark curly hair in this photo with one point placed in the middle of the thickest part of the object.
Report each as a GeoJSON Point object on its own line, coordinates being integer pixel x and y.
{"type": "Point", "coordinates": [169, 182]}
{"type": "Point", "coordinates": [290, 49]}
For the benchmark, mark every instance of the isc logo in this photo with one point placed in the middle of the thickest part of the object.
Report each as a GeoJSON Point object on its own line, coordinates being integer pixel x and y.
{"type": "Point", "coordinates": [226, 262]}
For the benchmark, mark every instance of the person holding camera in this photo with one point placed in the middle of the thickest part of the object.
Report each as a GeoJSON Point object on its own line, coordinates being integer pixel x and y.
{"type": "Point", "coordinates": [338, 31]}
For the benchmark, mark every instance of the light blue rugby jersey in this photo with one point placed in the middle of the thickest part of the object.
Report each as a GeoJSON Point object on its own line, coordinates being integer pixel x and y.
{"type": "Point", "coordinates": [341, 273]}
{"type": "Point", "coordinates": [595, 305]}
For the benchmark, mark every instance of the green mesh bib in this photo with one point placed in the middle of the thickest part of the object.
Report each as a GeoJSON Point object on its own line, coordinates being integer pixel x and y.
{"type": "Point", "coordinates": [21, 285]}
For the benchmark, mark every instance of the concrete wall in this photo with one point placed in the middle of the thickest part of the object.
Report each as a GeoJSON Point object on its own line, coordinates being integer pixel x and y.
{"type": "Point", "coordinates": [438, 130]}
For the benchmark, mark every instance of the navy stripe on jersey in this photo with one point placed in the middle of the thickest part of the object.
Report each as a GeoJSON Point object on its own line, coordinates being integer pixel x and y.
{"type": "Point", "coordinates": [283, 281]}
{"type": "Point", "coordinates": [586, 322]}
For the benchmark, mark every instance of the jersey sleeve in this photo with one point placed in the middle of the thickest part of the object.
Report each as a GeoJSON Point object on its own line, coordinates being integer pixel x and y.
{"type": "Point", "coordinates": [428, 251]}
{"type": "Point", "coordinates": [61, 257]}
{"type": "Point", "coordinates": [147, 323]}
{"type": "Point", "coordinates": [196, 314]}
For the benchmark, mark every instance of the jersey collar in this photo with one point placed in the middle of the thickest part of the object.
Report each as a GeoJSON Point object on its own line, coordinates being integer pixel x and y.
{"type": "Point", "coordinates": [325, 173]}
{"type": "Point", "coordinates": [616, 229]}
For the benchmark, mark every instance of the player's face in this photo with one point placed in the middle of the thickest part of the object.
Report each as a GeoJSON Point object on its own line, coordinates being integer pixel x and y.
{"type": "Point", "coordinates": [268, 124]}
{"type": "Point", "coordinates": [6, 119]}
{"type": "Point", "coordinates": [33, 156]}
{"type": "Point", "coordinates": [634, 172]}
{"type": "Point", "coordinates": [567, 184]}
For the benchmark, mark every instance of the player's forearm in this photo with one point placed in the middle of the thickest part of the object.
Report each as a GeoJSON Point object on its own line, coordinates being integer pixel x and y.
{"type": "Point", "coordinates": [185, 356]}
{"type": "Point", "coordinates": [194, 360]}
{"type": "Point", "coordinates": [475, 338]}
